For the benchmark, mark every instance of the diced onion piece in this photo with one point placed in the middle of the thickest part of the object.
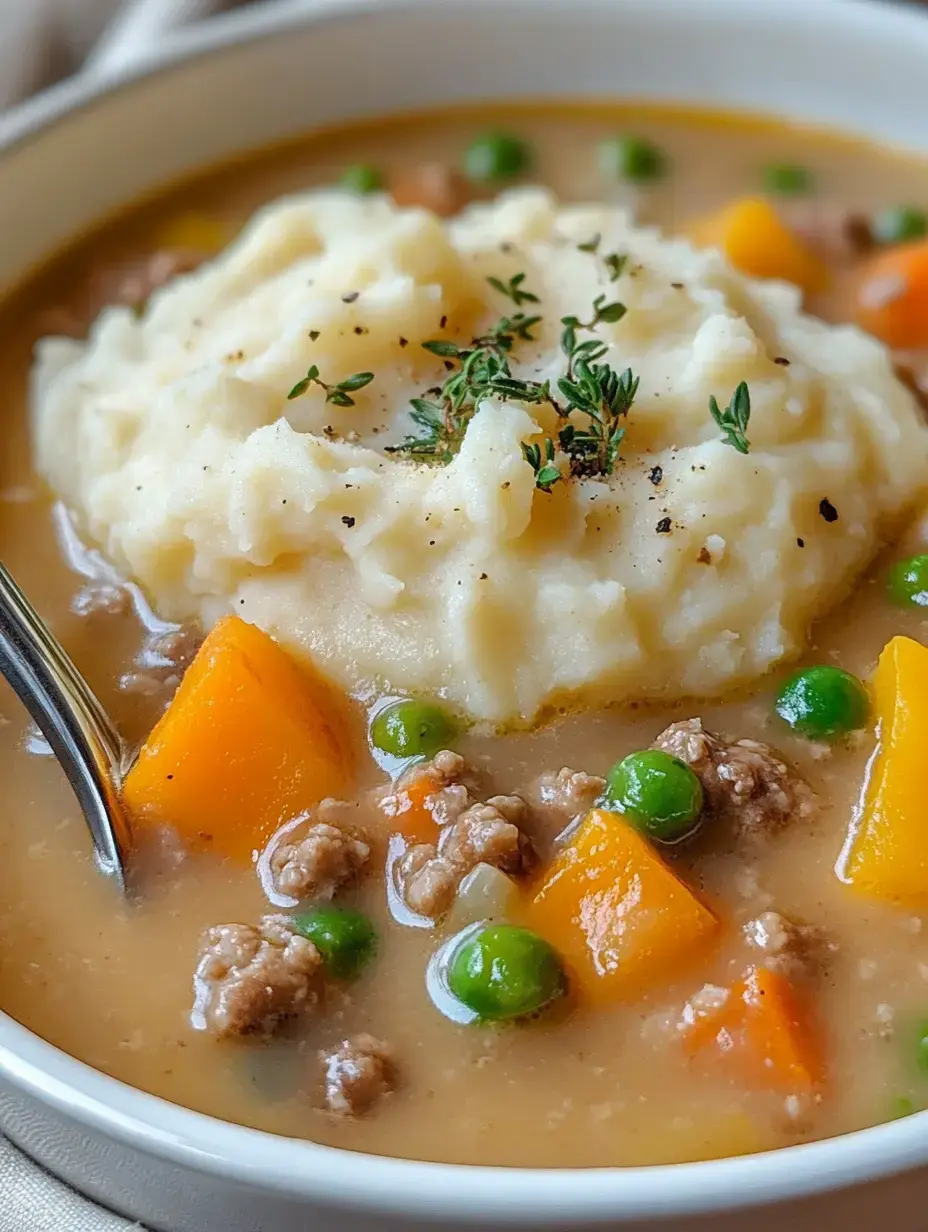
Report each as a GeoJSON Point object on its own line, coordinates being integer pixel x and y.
{"type": "Point", "coordinates": [484, 894]}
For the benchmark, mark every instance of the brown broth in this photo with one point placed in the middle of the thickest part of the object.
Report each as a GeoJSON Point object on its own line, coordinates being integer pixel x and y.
{"type": "Point", "coordinates": [111, 982]}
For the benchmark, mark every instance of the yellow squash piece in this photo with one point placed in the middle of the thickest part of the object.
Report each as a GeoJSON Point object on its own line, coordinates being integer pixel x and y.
{"type": "Point", "coordinates": [196, 232]}
{"type": "Point", "coordinates": [617, 913]}
{"type": "Point", "coordinates": [756, 241]}
{"type": "Point", "coordinates": [252, 739]}
{"type": "Point", "coordinates": [887, 854]}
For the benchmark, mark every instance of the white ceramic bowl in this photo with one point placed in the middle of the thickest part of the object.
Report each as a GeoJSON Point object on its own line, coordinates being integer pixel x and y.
{"type": "Point", "coordinates": [71, 156]}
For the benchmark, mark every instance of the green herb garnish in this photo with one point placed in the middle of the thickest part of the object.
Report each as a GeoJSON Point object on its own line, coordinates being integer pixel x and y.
{"type": "Point", "coordinates": [591, 389]}
{"type": "Point", "coordinates": [338, 394]}
{"type": "Point", "coordinates": [734, 419]}
{"type": "Point", "coordinates": [541, 459]}
{"type": "Point", "coordinates": [615, 264]}
{"type": "Point", "coordinates": [513, 290]}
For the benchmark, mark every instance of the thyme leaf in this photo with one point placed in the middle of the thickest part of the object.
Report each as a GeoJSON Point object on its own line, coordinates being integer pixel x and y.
{"type": "Point", "coordinates": [338, 394]}
{"type": "Point", "coordinates": [734, 419]}
{"type": "Point", "coordinates": [541, 459]}
{"type": "Point", "coordinates": [513, 290]}
{"type": "Point", "coordinates": [615, 264]}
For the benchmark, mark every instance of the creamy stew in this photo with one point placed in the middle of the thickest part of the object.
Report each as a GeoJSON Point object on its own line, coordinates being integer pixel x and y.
{"type": "Point", "coordinates": [696, 980]}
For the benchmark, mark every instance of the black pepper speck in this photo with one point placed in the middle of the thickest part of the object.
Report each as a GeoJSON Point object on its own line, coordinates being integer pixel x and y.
{"type": "Point", "coordinates": [656, 474]}
{"type": "Point", "coordinates": [348, 520]}
{"type": "Point", "coordinates": [663, 526]}
{"type": "Point", "coordinates": [827, 510]}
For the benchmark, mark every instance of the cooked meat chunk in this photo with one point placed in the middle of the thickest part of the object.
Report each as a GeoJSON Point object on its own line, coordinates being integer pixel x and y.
{"type": "Point", "coordinates": [162, 661]}
{"type": "Point", "coordinates": [318, 864]}
{"type": "Point", "coordinates": [357, 1075]}
{"type": "Point", "coordinates": [453, 793]}
{"type": "Point", "coordinates": [134, 285]}
{"type": "Point", "coordinates": [101, 599]}
{"type": "Point", "coordinates": [745, 781]}
{"type": "Point", "coordinates": [428, 875]}
{"type": "Point", "coordinates": [433, 186]}
{"type": "Point", "coordinates": [249, 978]}
{"type": "Point", "coordinates": [565, 794]}
{"type": "Point", "coordinates": [793, 949]}
{"type": "Point", "coordinates": [835, 233]}
{"type": "Point", "coordinates": [129, 284]}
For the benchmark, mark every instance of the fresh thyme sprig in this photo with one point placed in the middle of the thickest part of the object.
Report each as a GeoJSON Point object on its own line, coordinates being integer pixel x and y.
{"type": "Point", "coordinates": [734, 419]}
{"type": "Point", "coordinates": [591, 389]}
{"type": "Point", "coordinates": [339, 394]}
{"type": "Point", "coordinates": [513, 290]}
{"type": "Point", "coordinates": [541, 459]}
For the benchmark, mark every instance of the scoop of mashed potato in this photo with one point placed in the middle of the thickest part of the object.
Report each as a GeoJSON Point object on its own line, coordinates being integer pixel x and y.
{"type": "Point", "coordinates": [692, 568]}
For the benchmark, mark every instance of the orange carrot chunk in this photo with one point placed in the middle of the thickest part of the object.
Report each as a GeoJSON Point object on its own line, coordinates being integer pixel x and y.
{"type": "Point", "coordinates": [758, 242]}
{"type": "Point", "coordinates": [892, 296]}
{"type": "Point", "coordinates": [252, 738]}
{"type": "Point", "coordinates": [410, 812]}
{"type": "Point", "coordinates": [617, 913]}
{"type": "Point", "coordinates": [763, 1027]}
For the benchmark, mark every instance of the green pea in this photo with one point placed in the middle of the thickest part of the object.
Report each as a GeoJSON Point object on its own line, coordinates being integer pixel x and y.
{"type": "Point", "coordinates": [496, 156]}
{"type": "Point", "coordinates": [823, 703]}
{"type": "Point", "coordinates": [346, 939]}
{"type": "Point", "coordinates": [505, 972]}
{"type": "Point", "coordinates": [631, 158]}
{"type": "Point", "coordinates": [787, 179]}
{"type": "Point", "coordinates": [899, 224]}
{"type": "Point", "coordinates": [908, 582]}
{"type": "Point", "coordinates": [412, 729]}
{"type": "Point", "coordinates": [658, 793]}
{"type": "Point", "coordinates": [362, 178]}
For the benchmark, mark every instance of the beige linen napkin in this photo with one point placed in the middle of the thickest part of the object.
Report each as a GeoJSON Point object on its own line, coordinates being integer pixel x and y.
{"type": "Point", "coordinates": [33, 1201]}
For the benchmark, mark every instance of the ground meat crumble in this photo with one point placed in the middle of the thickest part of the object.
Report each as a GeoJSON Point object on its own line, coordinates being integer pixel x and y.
{"type": "Point", "coordinates": [789, 948]}
{"type": "Point", "coordinates": [429, 874]}
{"type": "Point", "coordinates": [563, 795]}
{"type": "Point", "coordinates": [249, 978]}
{"type": "Point", "coordinates": [454, 788]}
{"type": "Point", "coordinates": [318, 864]}
{"type": "Point", "coordinates": [162, 661]}
{"type": "Point", "coordinates": [357, 1075]}
{"type": "Point", "coordinates": [745, 780]}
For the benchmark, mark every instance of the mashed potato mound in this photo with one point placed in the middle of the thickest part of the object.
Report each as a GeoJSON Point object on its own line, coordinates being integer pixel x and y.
{"type": "Point", "coordinates": [692, 569]}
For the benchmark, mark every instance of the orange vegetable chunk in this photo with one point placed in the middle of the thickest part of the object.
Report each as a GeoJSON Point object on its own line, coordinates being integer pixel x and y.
{"type": "Point", "coordinates": [758, 242]}
{"type": "Point", "coordinates": [410, 812]}
{"type": "Point", "coordinates": [615, 911]}
{"type": "Point", "coordinates": [887, 852]}
{"type": "Point", "coordinates": [892, 296]}
{"type": "Point", "coordinates": [764, 1028]}
{"type": "Point", "coordinates": [252, 738]}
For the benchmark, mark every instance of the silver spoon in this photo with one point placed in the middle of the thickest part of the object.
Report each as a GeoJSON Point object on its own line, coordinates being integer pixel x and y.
{"type": "Point", "coordinates": [70, 718]}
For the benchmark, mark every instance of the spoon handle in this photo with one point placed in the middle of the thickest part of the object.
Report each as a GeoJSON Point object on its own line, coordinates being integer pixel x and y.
{"type": "Point", "coordinates": [70, 718]}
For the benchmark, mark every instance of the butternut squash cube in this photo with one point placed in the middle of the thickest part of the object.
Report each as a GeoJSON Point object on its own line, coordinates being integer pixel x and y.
{"type": "Point", "coordinates": [251, 739]}
{"type": "Point", "coordinates": [756, 241]}
{"type": "Point", "coordinates": [617, 913]}
{"type": "Point", "coordinates": [887, 851]}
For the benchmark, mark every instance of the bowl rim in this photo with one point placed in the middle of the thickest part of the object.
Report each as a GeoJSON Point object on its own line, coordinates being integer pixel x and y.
{"type": "Point", "coordinates": [454, 1193]}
